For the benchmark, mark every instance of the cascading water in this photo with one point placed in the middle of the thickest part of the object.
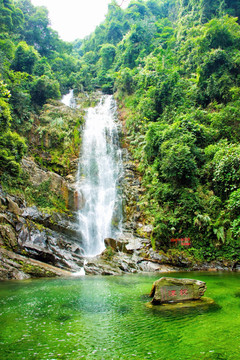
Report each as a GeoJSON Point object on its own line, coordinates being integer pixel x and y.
{"type": "Point", "coordinates": [100, 168]}
{"type": "Point", "coordinates": [69, 100]}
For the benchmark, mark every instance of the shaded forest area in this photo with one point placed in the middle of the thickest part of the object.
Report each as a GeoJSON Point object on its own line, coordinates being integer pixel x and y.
{"type": "Point", "coordinates": [174, 68]}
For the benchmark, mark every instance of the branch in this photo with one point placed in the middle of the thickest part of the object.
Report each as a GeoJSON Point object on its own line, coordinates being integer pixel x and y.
{"type": "Point", "coordinates": [122, 3]}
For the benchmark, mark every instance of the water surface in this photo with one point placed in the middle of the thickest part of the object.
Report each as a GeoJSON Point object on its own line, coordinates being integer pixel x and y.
{"type": "Point", "coordinates": [106, 318]}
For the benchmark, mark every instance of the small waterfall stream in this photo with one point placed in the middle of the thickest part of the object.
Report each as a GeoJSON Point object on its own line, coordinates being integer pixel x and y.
{"type": "Point", "coordinates": [100, 168]}
{"type": "Point", "coordinates": [69, 100]}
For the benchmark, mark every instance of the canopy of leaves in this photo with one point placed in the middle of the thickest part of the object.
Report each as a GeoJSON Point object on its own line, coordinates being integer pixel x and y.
{"type": "Point", "coordinates": [175, 66]}
{"type": "Point", "coordinates": [30, 75]}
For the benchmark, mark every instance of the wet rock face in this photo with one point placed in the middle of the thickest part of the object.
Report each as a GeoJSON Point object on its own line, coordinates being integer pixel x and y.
{"type": "Point", "coordinates": [15, 266]}
{"type": "Point", "coordinates": [52, 239]}
{"type": "Point", "coordinates": [131, 191]}
{"type": "Point", "coordinates": [48, 238]}
{"type": "Point", "coordinates": [116, 244]}
{"type": "Point", "coordinates": [126, 243]}
{"type": "Point", "coordinates": [168, 290]}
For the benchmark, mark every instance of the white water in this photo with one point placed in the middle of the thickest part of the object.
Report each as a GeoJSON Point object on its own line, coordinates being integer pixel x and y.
{"type": "Point", "coordinates": [68, 99]}
{"type": "Point", "coordinates": [100, 167]}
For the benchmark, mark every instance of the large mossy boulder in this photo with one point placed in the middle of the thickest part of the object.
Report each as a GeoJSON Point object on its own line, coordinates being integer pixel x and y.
{"type": "Point", "coordinates": [172, 290]}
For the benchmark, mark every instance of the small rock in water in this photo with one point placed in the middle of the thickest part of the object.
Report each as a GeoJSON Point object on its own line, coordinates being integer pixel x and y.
{"type": "Point", "coordinates": [172, 290]}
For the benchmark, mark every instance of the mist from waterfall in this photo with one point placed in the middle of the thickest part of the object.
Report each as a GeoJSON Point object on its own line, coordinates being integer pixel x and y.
{"type": "Point", "coordinates": [100, 168]}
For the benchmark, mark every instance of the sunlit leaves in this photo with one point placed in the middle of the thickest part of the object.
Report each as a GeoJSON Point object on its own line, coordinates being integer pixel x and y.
{"type": "Point", "coordinates": [25, 58]}
{"type": "Point", "coordinates": [108, 52]}
{"type": "Point", "coordinates": [226, 170]}
{"type": "Point", "coordinates": [178, 165]}
{"type": "Point", "coordinates": [5, 114]}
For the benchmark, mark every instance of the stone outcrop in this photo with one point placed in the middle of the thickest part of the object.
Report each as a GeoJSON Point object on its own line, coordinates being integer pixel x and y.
{"type": "Point", "coordinates": [131, 190]}
{"type": "Point", "coordinates": [126, 243]}
{"type": "Point", "coordinates": [52, 239]}
{"type": "Point", "coordinates": [116, 244]}
{"type": "Point", "coordinates": [15, 266]}
{"type": "Point", "coordinates": [126, 254]}
{"type": "Point", "coordinates": [172, 290]}
{"type": "Point", "coordinates": [57, 183]}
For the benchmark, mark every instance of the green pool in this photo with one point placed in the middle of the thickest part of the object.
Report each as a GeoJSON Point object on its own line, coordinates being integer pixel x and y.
{"type": "Point", "coordinates": [106, 318]}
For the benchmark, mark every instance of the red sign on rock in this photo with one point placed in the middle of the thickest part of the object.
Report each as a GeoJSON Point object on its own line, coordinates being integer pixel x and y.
{"type": "Point", "coordinates": [172, 290]}
{"type": "Point", "coordinates": [182, 241]}
{"type": "Point", "coordinates": [169, 293]}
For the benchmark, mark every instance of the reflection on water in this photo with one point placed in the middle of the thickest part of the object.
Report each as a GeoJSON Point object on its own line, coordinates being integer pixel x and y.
{"type": "Point", "coordinates": [106, 318]}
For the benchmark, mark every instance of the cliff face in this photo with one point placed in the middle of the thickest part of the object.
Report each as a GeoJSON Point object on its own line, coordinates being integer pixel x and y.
{"type": "Point", "coordinates": [38, 224]}
{"type": "Point", "coordinates": [57, 183]}
{"type": "Point", "coordinates": [28, 234]}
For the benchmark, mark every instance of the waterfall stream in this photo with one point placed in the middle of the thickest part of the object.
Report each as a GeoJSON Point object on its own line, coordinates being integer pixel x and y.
{"type": "Point", "coordinates": [68, 99]}
{"type": "Point", "coordinates": [100, 168]}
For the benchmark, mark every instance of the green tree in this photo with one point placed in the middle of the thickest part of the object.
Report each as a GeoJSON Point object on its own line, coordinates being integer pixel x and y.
{"type": "Point", "coordinates": [25, 58]}
{"type": "Point", "coordinates": [42, 67]}
{"type": "Point", "coordinates": [226, 170]}
{"type": "Point", "coordinates": [43, 89]}
{"type": "Point", "coordinates": [11, 17]}
{"type": "Point", "coordinates": [12, 149]}
{"type": "Point", "coordinates": [20, 99]}
{"type": "Point", "coordinates": [108, 52]}
{"type": "Point", "coordinates": [178, 164]}
{"type": "Point", "coordinates": [5, 113]}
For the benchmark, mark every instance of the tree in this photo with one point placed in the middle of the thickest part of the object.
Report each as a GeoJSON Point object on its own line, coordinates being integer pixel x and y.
{"type": "Point", "coordinates": [42, 67]}
{"type": "Point", "coordinates": [137, 10]}
{"type": "Point", "coordinates": [25, 58]}
{"type": "Point", "coordinates": [11, 17]}
{"type": "Point", "coordinates": [115, 32]}
{"type": "Point", "coordinates": [108, 52]}
{"type": "Point", "coordinates": [20, 99]}
{"type": "Point", "coordinates": [37, 32]}
{"type": "Point", "coordinates": [178, 165]}
{"type": "Point", "coordinates": [5, 114]}
{"type": "Point", "coordinates": [43, 89]}
{"type": "Point", "coordinates": [124, 81]}
{"type": "Point", "coordinates": [12, 146]}
{"type": "Point", "coordinates": [226, 170]}
{"type": "Point", "coordinates": [12, 149]}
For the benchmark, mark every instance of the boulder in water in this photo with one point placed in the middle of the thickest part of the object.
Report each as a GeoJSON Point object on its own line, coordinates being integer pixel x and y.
{"type": "Point", "coordinates": [172, 290]}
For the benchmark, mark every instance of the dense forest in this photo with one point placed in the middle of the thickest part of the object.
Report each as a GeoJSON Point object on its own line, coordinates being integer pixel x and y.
{"type": "Point", "coordinates": [37, 67]}
{"type": "Point", "coordinates": [174, 69]}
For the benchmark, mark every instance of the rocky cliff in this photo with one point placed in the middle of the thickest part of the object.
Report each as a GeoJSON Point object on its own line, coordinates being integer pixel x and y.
{"type": "Point", "coordinates": [50, 238]}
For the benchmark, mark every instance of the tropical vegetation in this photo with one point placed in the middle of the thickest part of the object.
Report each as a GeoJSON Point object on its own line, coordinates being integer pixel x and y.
{"type": "Point", "coordinates": [174, 68]}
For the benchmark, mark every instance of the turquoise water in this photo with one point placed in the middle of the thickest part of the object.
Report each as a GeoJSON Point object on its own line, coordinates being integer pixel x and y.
{"type": "Point", "coordinates": [106, 318]}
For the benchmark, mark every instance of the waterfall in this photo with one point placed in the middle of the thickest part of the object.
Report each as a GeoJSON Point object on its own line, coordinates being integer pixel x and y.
{"type": "Point", "coordinates": [68, 99]}
{"type": "Point", "coordinates": [100, 168]}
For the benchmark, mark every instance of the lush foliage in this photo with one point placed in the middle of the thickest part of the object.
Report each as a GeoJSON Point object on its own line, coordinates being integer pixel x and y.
{"type": "Point", "coordinates": [35, 67]}
{"type": "Point", "coordinates": [56, 139]}
{"type": "Point", "coordinates": [174, 67]}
